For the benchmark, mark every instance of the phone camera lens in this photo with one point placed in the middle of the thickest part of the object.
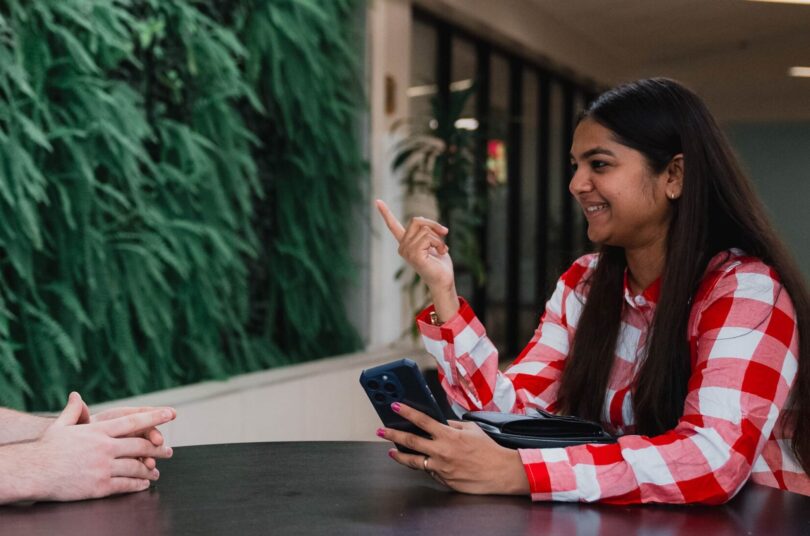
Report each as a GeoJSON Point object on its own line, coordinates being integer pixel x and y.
{"type": "Point", "coordinates": [373, 384]}
{"type": "Point", "coordinates": [390, 387]}
{"type": "Point", "coordinates": [379, 397]}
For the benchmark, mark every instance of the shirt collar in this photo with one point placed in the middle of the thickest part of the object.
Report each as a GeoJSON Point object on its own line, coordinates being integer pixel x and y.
{"type": "Point", "coordinates": [649, 296]}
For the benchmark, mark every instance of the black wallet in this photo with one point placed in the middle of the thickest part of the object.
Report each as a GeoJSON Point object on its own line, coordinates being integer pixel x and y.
{"type": "Point", "coordinates": [544, 430]}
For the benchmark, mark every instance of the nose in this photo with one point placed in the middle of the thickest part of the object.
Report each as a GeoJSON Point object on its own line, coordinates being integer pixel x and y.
{"type": "Point", "coordinates": [580, 183]}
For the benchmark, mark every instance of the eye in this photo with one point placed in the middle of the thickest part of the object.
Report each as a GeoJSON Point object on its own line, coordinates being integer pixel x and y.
{"type": "Point", "coordinates": [573, 167]}
{"type": "Point", "coordinates": [598, 164]}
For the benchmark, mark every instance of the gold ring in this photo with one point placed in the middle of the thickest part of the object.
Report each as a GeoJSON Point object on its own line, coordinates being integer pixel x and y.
{"type": "Point", "coordinates": [424, 464]}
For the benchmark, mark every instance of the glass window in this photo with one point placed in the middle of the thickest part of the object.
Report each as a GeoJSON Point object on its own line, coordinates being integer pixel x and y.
{"type": "Point", "coordinates": [494, 146]}
{"type": "Point", "coordinates": [463, 70]}
{"type": "Point", "coordinates": [528, 316]}
{"type": "Point", "coordinates": [497, 180]}
{"type": "Point", "coordinates": [554, 226]}
{"type": "Point", "coordinates": [423, 72]}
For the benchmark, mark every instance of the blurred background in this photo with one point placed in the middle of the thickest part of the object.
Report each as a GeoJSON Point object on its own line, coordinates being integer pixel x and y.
{"type": "Point", "coordinates": [186, 188]}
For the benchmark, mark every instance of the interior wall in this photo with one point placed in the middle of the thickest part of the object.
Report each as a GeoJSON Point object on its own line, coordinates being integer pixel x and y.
{"type": "Point", "coordinates": [389, 45]}
{"type": "Point", "coordinates": [315, 401]}
{"type": "Point", "coordinates": [777, 157]}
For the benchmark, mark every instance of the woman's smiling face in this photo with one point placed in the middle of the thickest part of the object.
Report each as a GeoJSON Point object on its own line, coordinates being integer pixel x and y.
{"type": "Point", "coordinates": [624, 201]}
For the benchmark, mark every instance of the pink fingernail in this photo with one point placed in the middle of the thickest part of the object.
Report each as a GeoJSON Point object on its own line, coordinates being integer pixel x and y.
{"type": "Point", "coordinates": [391, 454]}
{"type": "Point", "coordinates": [381, 432]}
{"type": "Point", "coordinates": [169, 451]}
{"type": "Point", "coordinates": [396, 407]}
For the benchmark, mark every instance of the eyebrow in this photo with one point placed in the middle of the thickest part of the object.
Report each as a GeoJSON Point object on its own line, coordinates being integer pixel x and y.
{"type": "Point", "coordinates": [594, 151]}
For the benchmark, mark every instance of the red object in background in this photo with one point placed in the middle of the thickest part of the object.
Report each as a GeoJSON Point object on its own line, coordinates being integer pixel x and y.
{"type": "Point", "coordinates": [496, 162]}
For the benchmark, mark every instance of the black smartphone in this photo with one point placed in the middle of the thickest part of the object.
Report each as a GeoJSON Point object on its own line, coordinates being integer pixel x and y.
{"type": "Point", "coordinates": [400, 381]}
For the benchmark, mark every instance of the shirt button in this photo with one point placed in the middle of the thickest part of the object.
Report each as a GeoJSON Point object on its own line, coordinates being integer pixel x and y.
{"type": "Point", "coordinates": [641, 301]}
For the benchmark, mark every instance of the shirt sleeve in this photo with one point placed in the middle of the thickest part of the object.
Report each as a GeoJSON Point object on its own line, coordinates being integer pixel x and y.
{"type": "Point", "coordinates": [745, 351]}
{"type": "Point", "coordinates": [468, 361]}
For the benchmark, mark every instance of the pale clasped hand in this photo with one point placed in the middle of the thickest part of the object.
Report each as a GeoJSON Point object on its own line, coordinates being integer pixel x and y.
{"type": "Point", "coordinates": [81, 456]}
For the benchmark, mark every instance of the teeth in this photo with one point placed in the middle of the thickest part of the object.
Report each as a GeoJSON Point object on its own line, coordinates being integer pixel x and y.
{"type": "Point", "coordinates": [596, 207]}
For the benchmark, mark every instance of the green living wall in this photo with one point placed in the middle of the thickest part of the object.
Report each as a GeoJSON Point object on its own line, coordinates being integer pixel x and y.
{"type": "Point", "coordinates": [174, 180]}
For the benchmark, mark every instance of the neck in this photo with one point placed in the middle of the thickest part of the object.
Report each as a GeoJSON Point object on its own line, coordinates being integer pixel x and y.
{"type": "Point", "coordinates": [645, 265]}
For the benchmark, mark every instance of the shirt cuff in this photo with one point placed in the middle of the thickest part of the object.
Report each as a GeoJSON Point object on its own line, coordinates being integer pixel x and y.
{"type": "Point", "coordinates": [452, 327]}
{"type": "Point", "coordinates": [549, 472]}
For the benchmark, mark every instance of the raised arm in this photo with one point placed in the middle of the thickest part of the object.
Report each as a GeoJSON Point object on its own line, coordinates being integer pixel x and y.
{"type": "Point", "coordinates": [468, 361]}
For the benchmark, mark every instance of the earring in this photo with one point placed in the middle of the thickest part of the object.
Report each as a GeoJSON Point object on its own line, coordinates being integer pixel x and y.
{"type": "Point", "coordinates": [671, 196]}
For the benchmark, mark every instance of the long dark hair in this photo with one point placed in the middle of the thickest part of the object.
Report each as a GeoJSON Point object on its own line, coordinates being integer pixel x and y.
{"type": "Point", "coordinates": [717, 210]}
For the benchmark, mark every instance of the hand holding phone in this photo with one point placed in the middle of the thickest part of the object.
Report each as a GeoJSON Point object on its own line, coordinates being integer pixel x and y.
{"type": "Point", "coordinates": [400, 381]}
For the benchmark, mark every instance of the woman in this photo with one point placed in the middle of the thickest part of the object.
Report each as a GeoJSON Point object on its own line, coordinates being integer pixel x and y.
{"type": "Point", "coordinates": [687, 333]}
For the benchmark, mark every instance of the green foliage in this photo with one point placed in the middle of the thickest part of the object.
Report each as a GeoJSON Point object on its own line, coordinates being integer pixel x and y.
{"type": "Point", "coordinates": [305, 70]}
{"type": "Point", "coordinates": [170, 175]}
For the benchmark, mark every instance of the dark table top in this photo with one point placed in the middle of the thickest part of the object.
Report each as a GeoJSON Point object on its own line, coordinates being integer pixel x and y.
{"type": "Point", "coordinates": [354, 488]}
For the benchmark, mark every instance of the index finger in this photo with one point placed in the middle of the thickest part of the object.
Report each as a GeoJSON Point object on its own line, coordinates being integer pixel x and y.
{"type": "Point", "coordinates": [391, 221]}
{"type": "Point", "coordinates": [136, 422]}
{"type": "Point", "coordinates": [114, 413]}
{"type": "Point", "coordinates": [421, 420]}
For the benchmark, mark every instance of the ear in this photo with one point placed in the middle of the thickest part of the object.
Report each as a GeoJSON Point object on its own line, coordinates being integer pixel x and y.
{"type": "Point", "coordinates": [674, 177]}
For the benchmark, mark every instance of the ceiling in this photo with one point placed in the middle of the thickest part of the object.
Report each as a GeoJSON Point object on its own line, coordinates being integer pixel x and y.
{"type": "Point", "coordinates": [735, 53]}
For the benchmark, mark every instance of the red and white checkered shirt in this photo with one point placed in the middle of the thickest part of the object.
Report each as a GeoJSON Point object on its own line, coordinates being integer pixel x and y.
{"type": "Point", "coordinates": [744, 347]}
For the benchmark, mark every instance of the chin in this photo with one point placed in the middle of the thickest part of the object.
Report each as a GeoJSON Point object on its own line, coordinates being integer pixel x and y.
{"type": "Point", "coordinates": [596, 238]}
{"type": "Point", "coordinates": [600, 235]}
